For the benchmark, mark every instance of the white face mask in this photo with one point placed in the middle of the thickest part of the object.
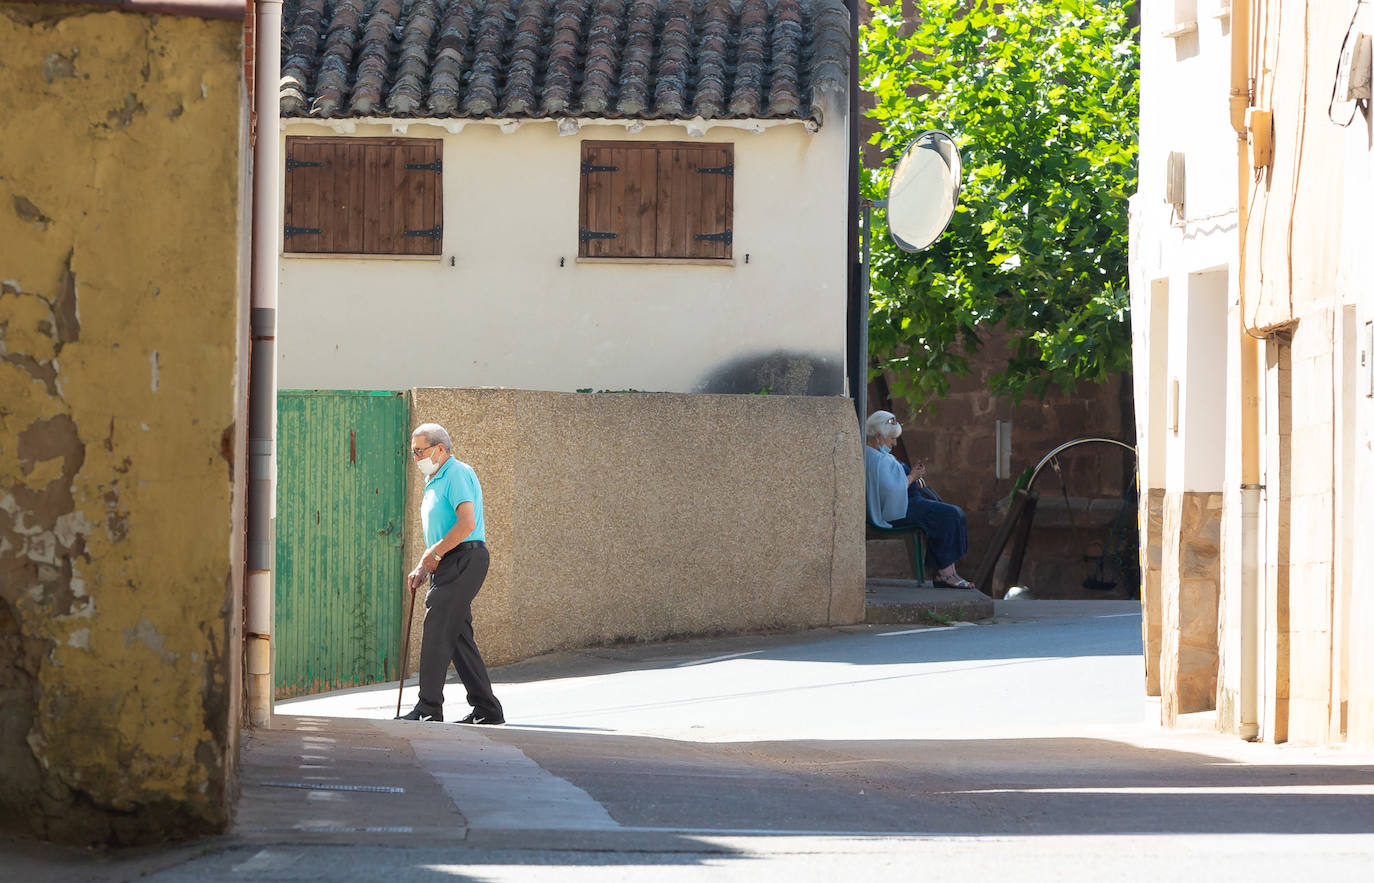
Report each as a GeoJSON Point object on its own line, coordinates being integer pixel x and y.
{"type": "Point", "coordinates": [427, 466]}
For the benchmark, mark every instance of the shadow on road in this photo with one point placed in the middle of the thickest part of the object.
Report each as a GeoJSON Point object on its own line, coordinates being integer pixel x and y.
{"type": "Point", "coordinates": [1063, 639]}
{"type": "Point", "coordinates": [1039, 786]}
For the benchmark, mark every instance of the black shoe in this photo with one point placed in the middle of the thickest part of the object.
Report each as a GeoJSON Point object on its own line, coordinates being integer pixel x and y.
{"type": "Point", "coordinates": [481, 717]}
{"type": "Point", "coordinates": [416, 714]}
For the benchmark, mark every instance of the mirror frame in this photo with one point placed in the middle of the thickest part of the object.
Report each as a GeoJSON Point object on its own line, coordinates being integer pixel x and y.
{"type": "Point", "coordinates": [949, 151]}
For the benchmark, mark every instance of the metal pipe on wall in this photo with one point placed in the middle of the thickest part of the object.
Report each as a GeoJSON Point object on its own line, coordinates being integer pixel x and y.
{"type": "Point", "coordinates": [1249, 390]}
{"type": "Point", "coordinates": [856, 352]}
{"type": "Point", "coordinates": [262, 390]}
{"type": "Point", "coordinates": [861, 377]}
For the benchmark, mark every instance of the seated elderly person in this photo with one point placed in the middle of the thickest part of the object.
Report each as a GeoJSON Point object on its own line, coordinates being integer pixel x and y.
{"type": "Point", "coordinates": [898, 497]}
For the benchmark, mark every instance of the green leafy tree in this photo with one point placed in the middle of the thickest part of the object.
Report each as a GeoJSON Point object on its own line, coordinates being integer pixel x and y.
{"type": "Point", "coordinates": [1041, 96]}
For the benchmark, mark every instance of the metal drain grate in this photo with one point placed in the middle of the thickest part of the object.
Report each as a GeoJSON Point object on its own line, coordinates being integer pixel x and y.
{"type": "Point", "coordinates": [344, 829]}
{"type": "Point", "coordinates": [381, 789]}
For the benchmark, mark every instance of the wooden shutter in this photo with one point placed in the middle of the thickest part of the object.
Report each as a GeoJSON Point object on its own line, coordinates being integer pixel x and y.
{"type": "Point", "coordinates": [420, 197]}
{"type": "Point", "coordinates": [617, 218]}
{"type": "Point", "coordinates": [363, 196]}
{"type": "Point", "coordinates": [403, 212]}
{"type": "Point", "coordinates": [324, 196]}
{"type": "Point", "coordinates": [695, 200]}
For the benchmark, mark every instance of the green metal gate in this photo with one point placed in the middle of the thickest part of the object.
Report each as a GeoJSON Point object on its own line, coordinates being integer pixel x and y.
{"type": "Point", "coordinates": [341, 458]}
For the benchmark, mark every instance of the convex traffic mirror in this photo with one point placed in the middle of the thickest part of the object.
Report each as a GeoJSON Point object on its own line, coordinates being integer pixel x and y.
{"type": "Point", "coordinates": [923, 191]}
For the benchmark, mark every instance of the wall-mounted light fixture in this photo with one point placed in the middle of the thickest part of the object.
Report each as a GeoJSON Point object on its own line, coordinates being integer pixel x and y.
{"type": "Point", "coordinates": [1003, 449]}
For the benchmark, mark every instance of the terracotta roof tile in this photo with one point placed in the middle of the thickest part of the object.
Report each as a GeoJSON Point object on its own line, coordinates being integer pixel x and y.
{"type": "Point", "coordinates": [521, 59]}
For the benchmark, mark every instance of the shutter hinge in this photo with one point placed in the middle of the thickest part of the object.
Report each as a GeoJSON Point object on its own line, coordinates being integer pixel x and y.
{"type": "Point", "coordinates": [586, 235]}
{"type": "Point", "coordinates": [728, 170]}
{"type": "Point", "coordinates": [435, 233]}
{"type": "Point", "coordinates": [728, 237]}
{"type": "Point", "coordinates": [436, 166]}
{"type": "Point", "coordinates": [588, 168]}
{"type": "Point", "coordinates": [300, 231]}
{"type": "Point", "coordinates": [292, 163]}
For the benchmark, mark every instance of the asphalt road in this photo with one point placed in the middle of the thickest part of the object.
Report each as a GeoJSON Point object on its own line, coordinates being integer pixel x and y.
{"type": "Point", "coordinates": [1023, 751]}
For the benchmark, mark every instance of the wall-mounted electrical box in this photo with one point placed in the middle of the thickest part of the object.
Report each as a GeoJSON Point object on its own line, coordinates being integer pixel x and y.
{"type": "Point", "coordinates": [1259, 122]}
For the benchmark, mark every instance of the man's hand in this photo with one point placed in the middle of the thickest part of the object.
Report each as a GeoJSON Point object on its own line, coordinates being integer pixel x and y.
{"type": "Point", "coordinates": [428, 563]}
{"type": "Point", "coordinates": [417, 578]}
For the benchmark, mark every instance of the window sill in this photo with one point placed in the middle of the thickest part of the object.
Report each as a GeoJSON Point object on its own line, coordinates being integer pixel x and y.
{"type": "Point", "coordinates": [1180, 30]}
{"type": "Point", "coordinates": [325, 255]}
{"type": "Point", "coordinates": [701, 262]}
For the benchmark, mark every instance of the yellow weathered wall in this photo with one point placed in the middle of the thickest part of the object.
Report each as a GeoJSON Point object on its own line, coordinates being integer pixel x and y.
{"type": "Point", "coordinates": [120, 173]}
{"type": "Point", "coordinates": [624, 517]}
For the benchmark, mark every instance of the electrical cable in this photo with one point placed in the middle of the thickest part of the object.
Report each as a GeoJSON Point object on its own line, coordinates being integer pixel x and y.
{"type": "Point", "coordinates": [1252, 86]}
{"type": "Point", "coordinates": [1359, 103]}
{"type": "Point", "coordinates": [1301, 148]}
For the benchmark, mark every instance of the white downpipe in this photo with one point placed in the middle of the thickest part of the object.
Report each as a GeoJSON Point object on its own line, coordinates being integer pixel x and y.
{"type": "Point", "coordinates": [262, 397]}
{"type": "Point", "coordinates": [1250, 490]}
{"type": "Point", "coordinates": [1249, 612]}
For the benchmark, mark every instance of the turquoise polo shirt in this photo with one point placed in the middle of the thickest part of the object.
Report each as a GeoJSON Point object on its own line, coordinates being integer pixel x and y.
{"type": "Point", "coordinates": [454, 484]}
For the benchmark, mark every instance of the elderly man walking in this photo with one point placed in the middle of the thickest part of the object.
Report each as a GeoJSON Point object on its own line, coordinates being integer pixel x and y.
{"type": "Point", "coordinates": [455, 563]}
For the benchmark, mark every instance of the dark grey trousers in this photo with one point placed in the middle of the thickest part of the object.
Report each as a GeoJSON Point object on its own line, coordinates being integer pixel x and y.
{"type": "Point", "coordinates": [447, 634]}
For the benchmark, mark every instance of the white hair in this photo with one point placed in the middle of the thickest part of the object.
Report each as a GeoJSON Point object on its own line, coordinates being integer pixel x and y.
{"type": "Point", "coordinates": [877, 424]}
{"type": "Point", "coordinates": [434, 434]}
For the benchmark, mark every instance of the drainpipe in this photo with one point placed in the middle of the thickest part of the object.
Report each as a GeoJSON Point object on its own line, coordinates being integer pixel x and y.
{"type": "Point", "coordinates": [856, 347]}
{"type": "Point", "coordinates": [1250, 487]}
{"type": "Point", "coordinates": [262, 389]}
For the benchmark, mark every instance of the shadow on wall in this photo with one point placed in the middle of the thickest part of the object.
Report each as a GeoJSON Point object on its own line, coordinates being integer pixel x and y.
{"type": "Point", "coordinates": [778, 373]}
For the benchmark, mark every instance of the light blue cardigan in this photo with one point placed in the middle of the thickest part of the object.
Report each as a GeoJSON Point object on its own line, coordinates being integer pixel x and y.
{"type": "Point", "coordinates": [884, 487]}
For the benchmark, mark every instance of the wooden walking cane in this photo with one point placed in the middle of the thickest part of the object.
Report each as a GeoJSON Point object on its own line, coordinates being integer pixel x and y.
{"type": "Point", "coordinates": [405, 650]}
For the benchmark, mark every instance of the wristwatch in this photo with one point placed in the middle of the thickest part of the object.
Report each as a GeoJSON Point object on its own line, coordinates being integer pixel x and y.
{"type": "Point", "coordinates": [437, 557]}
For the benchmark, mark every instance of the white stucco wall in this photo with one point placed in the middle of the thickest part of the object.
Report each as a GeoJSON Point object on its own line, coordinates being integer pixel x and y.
{"type": "Point", "coordinates": [1354, 604]}
{"type": "Point", "coordinates": [1310, 274]}
{"type": "Point", "coordinates": [498, 309]}
{"type": "Point", "coordinates": [1184, 108]}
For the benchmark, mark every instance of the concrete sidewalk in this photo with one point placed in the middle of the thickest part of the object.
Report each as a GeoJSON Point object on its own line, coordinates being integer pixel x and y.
{"type": "Point", "coordinates": [905, 601]}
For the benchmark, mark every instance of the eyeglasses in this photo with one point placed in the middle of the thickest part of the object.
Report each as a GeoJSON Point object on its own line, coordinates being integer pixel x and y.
{"type": "Point", "coordinates": [417, 453]}
{"type": "Point", "coordinates": [890, 420]}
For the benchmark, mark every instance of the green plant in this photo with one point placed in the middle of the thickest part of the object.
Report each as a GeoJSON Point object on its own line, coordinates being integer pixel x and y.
{"type": "Point", "coordinates": [1041, 96]}
{"type": "Point", "coordinates": [935, 617]}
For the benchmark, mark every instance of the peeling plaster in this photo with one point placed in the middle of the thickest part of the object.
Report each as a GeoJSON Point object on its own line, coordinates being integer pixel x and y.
{"type": "Point", "coordinates": [58, 65]}
{"type": "Point", "coordinates": [30, 213]}
{"type": "Point", "coordinates": [115, 722]}
{"type": "Point", "coordinates": [145, 633]}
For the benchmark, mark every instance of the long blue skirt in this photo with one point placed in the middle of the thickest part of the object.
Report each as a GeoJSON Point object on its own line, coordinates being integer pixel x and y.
{"type": "Point", "coordinates": [944, 524]}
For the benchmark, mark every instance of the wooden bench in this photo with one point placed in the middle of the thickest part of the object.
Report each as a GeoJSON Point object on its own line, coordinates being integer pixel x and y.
{"type": "Point", "coordinates": [912, 537]}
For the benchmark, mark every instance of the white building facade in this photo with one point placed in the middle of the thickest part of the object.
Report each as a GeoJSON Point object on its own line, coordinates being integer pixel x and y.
{"type": "Point", "coordinates": [519, 288]}
{"type": "Point", "coordinates": [1251, 301]}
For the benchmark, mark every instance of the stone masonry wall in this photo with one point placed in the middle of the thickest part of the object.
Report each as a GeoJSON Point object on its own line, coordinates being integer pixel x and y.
{"type": "Point", "coordinates": [1151, 586]}
{"type": "Point", "coordinates": [1190, 591]}
{"type": "Point", "coordinates": [119, 314]}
